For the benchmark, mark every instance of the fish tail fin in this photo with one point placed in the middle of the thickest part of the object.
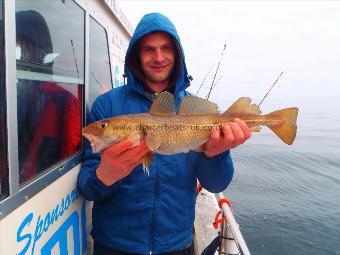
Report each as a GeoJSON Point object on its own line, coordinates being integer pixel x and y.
{"type": "Point", "coordinates": [286, 129]}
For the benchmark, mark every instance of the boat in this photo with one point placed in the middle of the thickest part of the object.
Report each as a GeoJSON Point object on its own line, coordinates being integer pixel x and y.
{"type": "Point", "coordinates": [51, 75]}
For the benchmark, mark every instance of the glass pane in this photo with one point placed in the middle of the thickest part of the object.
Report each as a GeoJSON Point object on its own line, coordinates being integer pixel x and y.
{"type": "Point", "coordinates": [50, 79]}
{"type": "Point", "coordinates": [50, 41]}
{"type": "Point", "coordinates": [100, 73]}
{"type": "Point", "coordinates": [4, 187]}
{"type": "Point", "coordinates": [49, 124]}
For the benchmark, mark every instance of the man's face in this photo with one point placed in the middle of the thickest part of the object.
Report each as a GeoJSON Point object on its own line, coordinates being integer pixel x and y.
{"type": "Point", "coordinates": [157, 57]}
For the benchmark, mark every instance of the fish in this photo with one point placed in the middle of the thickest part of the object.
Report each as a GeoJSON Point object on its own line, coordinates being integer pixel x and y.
{"type": "Point", "coordinates": [167, 132]}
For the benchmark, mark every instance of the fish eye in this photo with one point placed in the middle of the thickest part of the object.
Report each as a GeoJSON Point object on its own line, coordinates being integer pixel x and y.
{"type": "Point", "coordinates": [103, 125]}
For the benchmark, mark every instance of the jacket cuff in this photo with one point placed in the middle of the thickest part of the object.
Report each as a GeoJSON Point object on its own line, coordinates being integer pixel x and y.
{"type": "Point", "coordinates": [100, 185]}
{"type": "Point", "coordinates": [215, 173]}
{"type": "Point", "coordinates": [218, 157]}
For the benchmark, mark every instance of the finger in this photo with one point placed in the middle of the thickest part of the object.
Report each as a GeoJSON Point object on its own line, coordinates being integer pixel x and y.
{"type": "Point", "coordinates": [138, 159]}
{"type": "Point", "coordinates": [135, 164]}
{"type": "Point", "coordinates": [119, 147]}
{"type": "Point", "coordinates": [228, 135]}
{"type": "Point", "coordinates": [238, 133]}
{"type": "Point", "coordinates": [134, 154]}
{"type": "Point", "coordinates": [215, 135]}
{"type": "Point", "coordinates": [245, 129]}
{"type": "Point", "coordinates": [139, 149]}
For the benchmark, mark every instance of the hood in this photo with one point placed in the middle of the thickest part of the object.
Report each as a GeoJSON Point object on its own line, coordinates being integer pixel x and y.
{"type": "Point", "coordinates": [148, 24]}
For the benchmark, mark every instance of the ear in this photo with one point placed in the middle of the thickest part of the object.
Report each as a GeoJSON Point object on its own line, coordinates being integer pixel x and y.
{"type": "Point", "coordinates": [133, 63]}
{"type": "Point", "coordinates": [176, 72]}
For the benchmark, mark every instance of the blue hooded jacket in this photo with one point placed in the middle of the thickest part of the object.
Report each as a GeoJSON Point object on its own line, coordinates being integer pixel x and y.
{"type": "Point", "coordinates": [149, 213]}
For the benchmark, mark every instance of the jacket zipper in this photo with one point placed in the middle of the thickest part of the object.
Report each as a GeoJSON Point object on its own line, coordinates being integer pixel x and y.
{"type": "Point", "coordinates": [153, 217]}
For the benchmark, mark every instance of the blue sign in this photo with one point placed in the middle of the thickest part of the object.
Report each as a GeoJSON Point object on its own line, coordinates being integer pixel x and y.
{"type": "Point", "coordinates": [73, 222]}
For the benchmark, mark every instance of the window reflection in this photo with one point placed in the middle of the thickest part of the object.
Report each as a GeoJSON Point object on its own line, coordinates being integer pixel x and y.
{"type": "Point", "coordinates": [4, 187]}
{"type": "Point", "coordinates": [49, 124]}
{"type": "Point", "coordinates": [48, 42]}
{"type": "Point", "coordinates": [50, 77]}
{"type": "Point", "coordinates": [100, 73]}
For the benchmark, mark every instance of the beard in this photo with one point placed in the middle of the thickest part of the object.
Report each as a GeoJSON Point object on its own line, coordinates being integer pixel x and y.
{"type": "Point", "coordinates": [158, 77]}
{"type": "Point", "coordinates": [155, 76]}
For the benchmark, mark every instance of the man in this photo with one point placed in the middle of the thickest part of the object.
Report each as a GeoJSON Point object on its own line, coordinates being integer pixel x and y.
{"type": "Point", "coordinates": [151, 214]}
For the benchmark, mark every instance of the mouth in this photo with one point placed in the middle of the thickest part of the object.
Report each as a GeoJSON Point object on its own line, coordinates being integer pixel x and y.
{"type": "Point", "coordinates": [97, 143]}
{"type": "Point", "coordinates": [159, 68]}
{"type": "Point", "coordinates": [93, 140]}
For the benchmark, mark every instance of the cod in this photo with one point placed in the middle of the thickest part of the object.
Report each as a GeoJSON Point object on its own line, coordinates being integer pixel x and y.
{"type": "Point", "coordinates": [166, 132]}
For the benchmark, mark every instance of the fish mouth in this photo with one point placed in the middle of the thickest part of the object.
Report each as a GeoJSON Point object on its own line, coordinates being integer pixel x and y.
{"type": "Point", "coordinates": [97, 144]}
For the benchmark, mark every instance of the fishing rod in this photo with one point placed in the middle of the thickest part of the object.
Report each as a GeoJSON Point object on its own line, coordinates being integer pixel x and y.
{"type": "Point", "coordinates": [271, 88]}
{"type": "Point", "coordinates": [219, 78]}
{"type": "Point", "coordinates": [75, 58]}
{"type": "Point", "coordinates": [204, 79]}
{"type": "Point", "coordinates": [218, 66]}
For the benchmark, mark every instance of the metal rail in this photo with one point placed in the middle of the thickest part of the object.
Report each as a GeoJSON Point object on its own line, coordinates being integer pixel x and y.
{"type": "Point", "coordinates": [233, 226]}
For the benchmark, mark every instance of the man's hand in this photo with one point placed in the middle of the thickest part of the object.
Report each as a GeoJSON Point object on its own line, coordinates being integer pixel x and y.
{"type": "Point", "coordinates": [119, 160]}
{"type": "Point", "coordinates": [228, 137]}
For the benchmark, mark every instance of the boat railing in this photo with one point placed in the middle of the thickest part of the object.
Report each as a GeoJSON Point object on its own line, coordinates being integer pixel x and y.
{"type": "Point", "coordinates": [216, 229]}
{"type": "Point", "coordinates": [231, 237]}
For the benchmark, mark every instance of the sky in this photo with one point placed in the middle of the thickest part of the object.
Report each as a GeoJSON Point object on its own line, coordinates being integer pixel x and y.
{"type": "Point", "coordinates": [263, 39]}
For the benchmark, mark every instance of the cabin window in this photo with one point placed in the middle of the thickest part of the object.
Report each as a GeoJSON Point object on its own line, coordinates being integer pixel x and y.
{"type": "Point", "coordinates": [4, 187]}
{"type": "Point", "coordinates": [50, 82]}
{"type": "Point", "coordinates": [99, 62]}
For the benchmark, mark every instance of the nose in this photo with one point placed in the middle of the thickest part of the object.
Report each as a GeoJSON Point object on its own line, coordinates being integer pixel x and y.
{"type": "Point", "coordinates": [159, 56]}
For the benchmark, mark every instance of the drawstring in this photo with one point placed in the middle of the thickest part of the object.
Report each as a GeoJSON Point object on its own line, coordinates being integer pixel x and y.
{"type": "Point", "coordinates": [124, 77]}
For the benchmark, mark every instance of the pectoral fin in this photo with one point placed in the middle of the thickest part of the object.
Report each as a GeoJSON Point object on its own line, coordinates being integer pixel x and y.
{"type": "Point", "coordinates": [152, 143]}
{"type": "Point", "coordinates": [147, 162]}
{"type": "Point", "coordinates": [136, 138]}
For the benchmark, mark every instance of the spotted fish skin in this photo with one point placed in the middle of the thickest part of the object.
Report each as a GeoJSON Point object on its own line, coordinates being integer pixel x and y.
{"type": "Point", "coordinates": [168, 132]}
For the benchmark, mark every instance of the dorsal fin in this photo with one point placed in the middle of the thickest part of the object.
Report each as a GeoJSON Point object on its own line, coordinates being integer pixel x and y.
{"type": "Point", "coordinates": [163, 104]}
{"type": "Point", "coordinates": [239, 104]}
{"type": "Point", "coordinates": [243, 106]}
{"type": "Point", "coordinates": [194, 105]}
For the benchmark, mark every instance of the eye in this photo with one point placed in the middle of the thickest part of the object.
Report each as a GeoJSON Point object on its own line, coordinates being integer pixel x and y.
{"type": "Point", "coordinates": [147, 49]}
{"type": "Point", "coordinates": [168, 48]}
{"type": "Point", "coordinates": [103, 125]}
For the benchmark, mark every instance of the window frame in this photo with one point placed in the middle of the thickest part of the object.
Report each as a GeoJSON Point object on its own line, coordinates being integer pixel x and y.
{"type": "Point", "coordinates": [3, 79]}
{"type": "Point", "coordinates": [19, 194]}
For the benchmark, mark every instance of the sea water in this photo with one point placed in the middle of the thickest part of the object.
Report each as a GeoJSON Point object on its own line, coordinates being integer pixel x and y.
{"type": "Point", "coordinates": [287, 198]}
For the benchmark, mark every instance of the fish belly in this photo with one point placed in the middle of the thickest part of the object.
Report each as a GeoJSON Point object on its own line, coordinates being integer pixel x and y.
{"type": "Point", "coordinates": [177, 138]}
